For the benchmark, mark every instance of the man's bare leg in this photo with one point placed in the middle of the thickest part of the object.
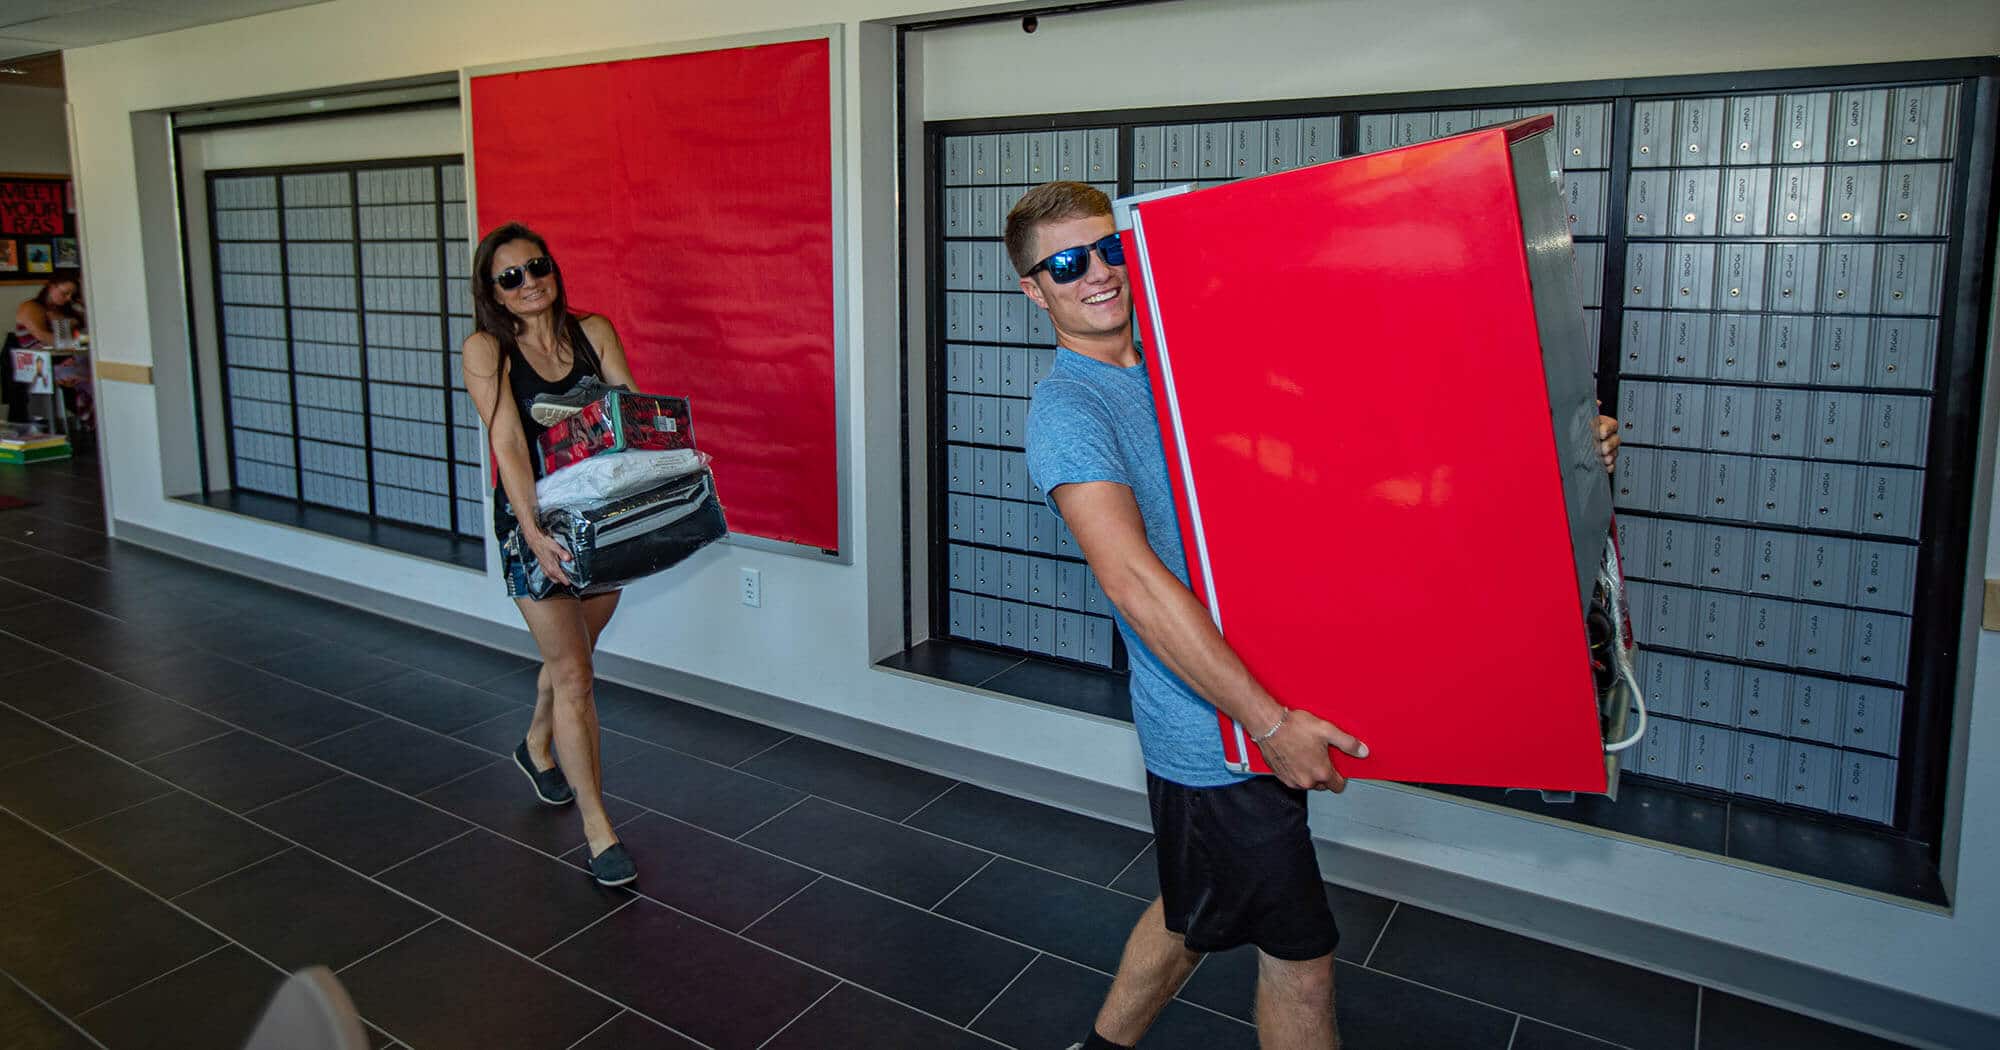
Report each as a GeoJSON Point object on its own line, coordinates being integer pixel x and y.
{"type": "Point", "coordinates": [1295, 1004]}
{"type": "Point", "coordinates": [1155, 964]}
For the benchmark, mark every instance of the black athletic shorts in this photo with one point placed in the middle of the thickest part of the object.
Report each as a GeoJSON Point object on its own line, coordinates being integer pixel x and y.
{"type": "Point", "coordinates": [1237, 867]}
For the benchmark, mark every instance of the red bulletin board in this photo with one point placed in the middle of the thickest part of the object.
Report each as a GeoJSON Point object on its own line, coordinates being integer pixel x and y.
{"type": "Point", "coordinates": [689, 198]}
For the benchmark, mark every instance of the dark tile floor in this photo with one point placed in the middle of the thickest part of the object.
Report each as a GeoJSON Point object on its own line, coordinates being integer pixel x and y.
{"type": "Point", "coordinates": [205, 781]}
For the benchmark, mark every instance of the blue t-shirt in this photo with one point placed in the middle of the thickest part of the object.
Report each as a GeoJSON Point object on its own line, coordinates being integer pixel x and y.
{"type": "Point", "coordinates": [1091, 421]}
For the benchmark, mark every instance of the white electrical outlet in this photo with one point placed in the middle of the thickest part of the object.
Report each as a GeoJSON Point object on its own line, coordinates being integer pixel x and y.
{"type": "Point", "coordinates": [753, 588]}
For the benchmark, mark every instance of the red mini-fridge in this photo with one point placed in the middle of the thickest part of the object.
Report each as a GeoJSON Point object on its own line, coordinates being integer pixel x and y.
{"type": "Point", "coordinates": [1376, 399]}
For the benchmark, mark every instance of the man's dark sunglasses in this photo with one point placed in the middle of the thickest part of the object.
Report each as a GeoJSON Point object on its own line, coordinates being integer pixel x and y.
{"type": "Point", "coordinates": [511, 277]}
{"type": "Point", "coordinates": [1071, 263]}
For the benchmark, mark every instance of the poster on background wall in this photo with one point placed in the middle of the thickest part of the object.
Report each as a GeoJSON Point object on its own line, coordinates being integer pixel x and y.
{"type": "Point", "coordinates": [32, 369]}
{"type": "Point", "coordinates": [38, 229]}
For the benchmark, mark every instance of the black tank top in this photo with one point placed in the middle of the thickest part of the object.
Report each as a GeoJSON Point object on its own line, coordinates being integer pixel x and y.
{"type": "Point", "coordinates": [527, 384]}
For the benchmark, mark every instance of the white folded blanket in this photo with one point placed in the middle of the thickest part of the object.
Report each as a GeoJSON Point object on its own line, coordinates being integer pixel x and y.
{"type": "Point", "coordinates": [615, 475]}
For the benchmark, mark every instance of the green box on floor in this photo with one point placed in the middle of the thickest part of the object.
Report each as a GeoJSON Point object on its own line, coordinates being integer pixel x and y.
{"type": "Point", "coordinates": [34, 451]}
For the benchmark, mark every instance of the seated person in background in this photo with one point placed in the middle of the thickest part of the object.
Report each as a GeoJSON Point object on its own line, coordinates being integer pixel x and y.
{"type": "Point", "coordinates": [34, 329]}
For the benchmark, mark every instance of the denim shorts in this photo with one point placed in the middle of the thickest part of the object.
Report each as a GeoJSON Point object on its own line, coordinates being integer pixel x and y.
{"type": "Point", "coordinates": [513, 570]}
{"type": "Point", "coordinates": [513, 567]}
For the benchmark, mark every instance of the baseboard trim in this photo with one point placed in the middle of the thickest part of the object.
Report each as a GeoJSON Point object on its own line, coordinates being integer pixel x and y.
{"type": "Point", "coordinates": [1731, 968]}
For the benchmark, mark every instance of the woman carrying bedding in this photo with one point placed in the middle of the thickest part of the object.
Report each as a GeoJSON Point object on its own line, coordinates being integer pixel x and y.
{"type": "Point", "coordinates": [529, 349]}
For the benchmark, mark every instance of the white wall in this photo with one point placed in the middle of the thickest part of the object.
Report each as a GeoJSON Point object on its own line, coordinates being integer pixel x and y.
{"type": "Point", "coordinates": [820, 624]}
{"type": "Point", "coordinates": [33, 136]}
{"type": "Point", "coordinates": [1274, 49]}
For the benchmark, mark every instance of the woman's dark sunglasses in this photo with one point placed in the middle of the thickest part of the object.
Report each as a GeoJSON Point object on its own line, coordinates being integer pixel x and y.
{"type": "Point", "coordinates": [510, 278]}
{"type": "Point", "coordinates": [1071, 263]}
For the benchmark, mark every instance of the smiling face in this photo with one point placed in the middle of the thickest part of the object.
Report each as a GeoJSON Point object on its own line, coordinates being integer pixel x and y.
{"type": "Point", "coordinates": [1094, 308]}
{"type": "Point", "coordinates": [534, 295]}
{"type": "Point", "coordinates": [61, 292]}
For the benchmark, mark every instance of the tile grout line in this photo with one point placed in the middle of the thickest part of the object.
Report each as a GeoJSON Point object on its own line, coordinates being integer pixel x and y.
{"type": "Point", "coordinates": [236, 871]}
{"type": "Point", "coordinates": [53, 1012]}
{"type": "Point", "coordinates": [390, 943]}
{"type": "Point", "coordinates": [774, 816]}
{"type": "Point", "coordinates": [508, 759]}
{"type": "Point", "coordinates": [432, 848]}
{"type": "Point", "coordinates": [1128, 864]}
{"type": "Point", "coordinates": [1480, 1002]}
{"type": "Point", "coordinates": [944, 838]}
{"type": "Point", "coordinates": [1514, 1033]}
{"type": "Point", "coordinates": [768, 1040]}
{"type": "Point", "coordinates": [153, 980]}
{"type": "Point", "coordinates": [997, 996]}
{"type": "Point", "coordinates": [184, 747]}
{"type": "Point", "coordinates": [955, 785]}
{"type": "Point", "coordinates": [991, 859]}
{"type": "Point", "coordinates": [262, 806]}
{"type": "Point", "coordinates": [1192, 1005]}
{"type": "Point", "coordinates": [54, 886]}
{"type": "Point", "coordinates": [817, 876]}
{"type": "Point", "coordinates": [1379, 934]}
{"type": "Point", "coordinates": [741, 762]}
{"type": "Point", "coordinates": [630, 899]}
{"type": "Point", "coordinates": [607, 1023]}
{"type": "Point", "coordinates": [57, 833]}
{"type": "Point", "coordinates": [67, 828]}
{"type": "Point", "coordinates": [13, 762]}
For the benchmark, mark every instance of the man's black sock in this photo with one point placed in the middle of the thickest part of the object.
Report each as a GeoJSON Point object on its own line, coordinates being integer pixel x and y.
{"type": "Point", "coordinates": [1098, 1042]}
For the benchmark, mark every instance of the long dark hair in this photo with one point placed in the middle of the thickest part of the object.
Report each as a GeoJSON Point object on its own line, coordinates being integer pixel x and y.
{"type": "Point", "coordinates": [75, 299]}
{"type": "Point", "coordinates": [495, 319]}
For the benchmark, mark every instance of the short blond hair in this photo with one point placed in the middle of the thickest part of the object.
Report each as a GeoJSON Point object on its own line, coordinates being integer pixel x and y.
{"type": "Point", "coordinates": [1049, 202]}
